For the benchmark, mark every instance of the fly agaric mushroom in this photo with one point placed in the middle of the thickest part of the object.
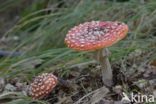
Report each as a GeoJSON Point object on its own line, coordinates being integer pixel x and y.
{"type": "Point", "coordinates": [43, 85]}
{"type": "Point", "coordinates": [97, 35]}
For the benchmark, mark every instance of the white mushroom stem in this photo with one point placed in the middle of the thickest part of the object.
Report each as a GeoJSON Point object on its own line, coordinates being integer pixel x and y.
{"type": "Point", "coordinates": [102, 58]}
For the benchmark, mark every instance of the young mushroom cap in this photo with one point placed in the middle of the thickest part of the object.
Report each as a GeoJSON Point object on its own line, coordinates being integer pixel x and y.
{"type": "Point", "coordinates": [95, 35]}
{"type": "Point", "coordinates": [43, 85]}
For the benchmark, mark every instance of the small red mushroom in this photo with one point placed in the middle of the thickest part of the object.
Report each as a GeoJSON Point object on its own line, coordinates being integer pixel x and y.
{"type": "Point", "coordinates": [97, 35]}
{"type": "Point", "coordinates": [43, 85]}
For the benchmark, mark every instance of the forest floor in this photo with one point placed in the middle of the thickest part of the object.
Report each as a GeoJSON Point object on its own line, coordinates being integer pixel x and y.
{"type": "Point", "coordinates": [86, 86]}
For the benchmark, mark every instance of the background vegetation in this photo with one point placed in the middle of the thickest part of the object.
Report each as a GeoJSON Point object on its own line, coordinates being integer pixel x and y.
{"type": "Point", "coordinates": [37, 28]}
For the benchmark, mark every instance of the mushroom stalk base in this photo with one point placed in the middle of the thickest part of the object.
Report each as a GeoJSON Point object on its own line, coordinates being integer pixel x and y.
{"type": "Point", "coordinates": [102, 58]}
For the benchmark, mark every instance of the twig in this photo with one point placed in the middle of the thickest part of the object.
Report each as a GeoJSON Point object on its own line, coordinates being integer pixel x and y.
{"type": "Point", "coordinates": [87, 95]}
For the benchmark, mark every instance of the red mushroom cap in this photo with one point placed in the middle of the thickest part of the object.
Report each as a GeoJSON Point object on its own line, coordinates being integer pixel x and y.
{"type": "Point", "coordinates": [95, 35]}
{"type": "Point", "coordinates": [43, 85]}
